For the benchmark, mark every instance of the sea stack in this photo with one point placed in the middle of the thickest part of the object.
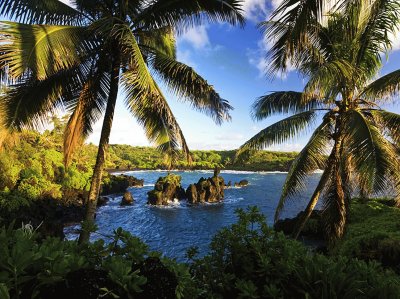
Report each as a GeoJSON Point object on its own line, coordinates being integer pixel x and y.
{"type": "Point", "coordinates": [207, 190]}
{"type": "Point", "coordinates": [166, 190]}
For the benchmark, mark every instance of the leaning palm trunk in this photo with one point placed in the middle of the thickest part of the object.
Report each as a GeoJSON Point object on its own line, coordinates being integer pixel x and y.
{"type": "Point", "coordinates": [312, 203]}
{"type": "Point", "coordinates": [330, 165]}
{"type": "Point", "coordinates": [101, 154]}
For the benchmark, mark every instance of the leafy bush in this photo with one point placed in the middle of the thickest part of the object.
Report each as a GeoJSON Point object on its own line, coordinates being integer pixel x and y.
{"type": "Point", "coordinates": [54, 268]}
{"type": "Point", "coordinates": [249, 260]}
{"type": "Point", "coordinates": [372, 233]}
{"type": "Point", "coordinates": [34, 188]}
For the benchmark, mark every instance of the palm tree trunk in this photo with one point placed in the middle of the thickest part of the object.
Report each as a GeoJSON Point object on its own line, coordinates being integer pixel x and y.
{"type": "Point", "coordinates": [313, 201]}
{"type": "Point", "coordinates": [333, 158]}
{"type": "Point", "coordinates": [101, 153]}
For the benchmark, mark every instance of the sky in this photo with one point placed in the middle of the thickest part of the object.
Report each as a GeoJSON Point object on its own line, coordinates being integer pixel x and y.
{"type": "Point", "coordinates": [232, 60]}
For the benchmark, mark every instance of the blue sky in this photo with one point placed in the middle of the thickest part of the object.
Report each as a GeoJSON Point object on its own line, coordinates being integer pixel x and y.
{"type": "Point", "coordinates": [232, 60]}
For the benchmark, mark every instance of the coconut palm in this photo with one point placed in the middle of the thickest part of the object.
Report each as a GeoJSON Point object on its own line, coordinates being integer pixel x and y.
{"type": "Point", "coordinates": [356, 142]}
{"type": "Point", "coordinates": [79, 58]}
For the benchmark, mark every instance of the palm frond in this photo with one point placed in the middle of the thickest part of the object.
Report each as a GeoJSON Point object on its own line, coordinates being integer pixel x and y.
{"type": "Point", "coordinates": [390, 121]}
{"type": "Point", "coordinates": [153, 112]}
{"type": "Point", "coordinates": [330, 166]}
{"type": "Point", "coordinates": [279, 132]}
{"type": "Point", "coordinates": [283, 102]}
{"type": "Point", "coordinates": [145, 100]}
{"type": "Point", "coordinates": [386, 86]}
{"type": "Point", "coordinates": [379, 21]}
{"type": "Point", "coordinates": [311, 158]}
{"type": "Point", "coordinates": [87, 110]}
{"type": "Point", "coordinates": [26, 104]}
{"type": "Point", "coordinates": [375, 158]}
{"type": "Point", "coordinates": [327, 79]}
{"type": "Point", "coordinates": [190, 86]}
{"type": "Point", "coordinates": [161, 40]}
{"type": "Point", "coordinates": [290, 26]}
{"type": "Point", "coordinates": [181, 13]}
{"type": "Point", "coordinates": [40, 11]}
{"type": "Point", "coordinates": [40, 50]}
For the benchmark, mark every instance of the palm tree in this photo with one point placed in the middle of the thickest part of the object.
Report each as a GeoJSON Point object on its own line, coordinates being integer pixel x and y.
{"type": "Point", "coordinates": [357, 142]}
{"type": "Point", "coordinates": [79, 58]}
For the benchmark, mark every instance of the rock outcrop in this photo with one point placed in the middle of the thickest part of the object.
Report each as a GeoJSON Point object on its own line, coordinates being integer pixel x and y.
{"type": "Point", "coordinates": [134, 182]}
{"type": "Point", "coordinates": [206, 190]}
{"type": "Point", "coordinates": [102, 201]}
{"type": "Point", "coordinates": [166, 190]}
{"type": "Point", "coordinates": [127, 199]}
{"type": "Point", "coordinates": [119, 183]}
{"type": "Point", "coordinates": [242, 183]}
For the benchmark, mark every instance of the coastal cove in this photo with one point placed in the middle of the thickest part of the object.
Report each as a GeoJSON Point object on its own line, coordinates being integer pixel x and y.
{"type": "Point", "coordinates": [175, 228]}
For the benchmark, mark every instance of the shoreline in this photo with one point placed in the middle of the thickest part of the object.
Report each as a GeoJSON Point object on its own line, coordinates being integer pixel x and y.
{"type": "Point", "coordinates": [226, 171]}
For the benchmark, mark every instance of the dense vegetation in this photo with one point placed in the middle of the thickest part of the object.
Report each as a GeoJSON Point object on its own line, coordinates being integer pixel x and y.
{"type": "Point", "coordinates": [128, 157]}
{"type": "Point", "coordinates": [372, 233]}
{"type": "Point", "coordinates": [247, 260]}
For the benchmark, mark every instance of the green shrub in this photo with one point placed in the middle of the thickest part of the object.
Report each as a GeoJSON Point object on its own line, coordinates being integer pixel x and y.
{"type": "Point", "coordinates": [49, 269]}
{"type": "Point", "coordinates": [249, 260]}
{"type": "Point", "coordinates": [372, 233]}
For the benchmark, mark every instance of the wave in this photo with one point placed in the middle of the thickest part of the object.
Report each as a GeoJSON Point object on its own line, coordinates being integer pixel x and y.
{"type": "Point", "coordinates": [233, 199]}
{"type": "Point", "coordinates": [171, 205]}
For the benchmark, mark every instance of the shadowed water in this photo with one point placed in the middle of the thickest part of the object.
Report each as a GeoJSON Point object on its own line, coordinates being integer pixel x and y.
{"type": "Point", "coordinates": [173, 229]}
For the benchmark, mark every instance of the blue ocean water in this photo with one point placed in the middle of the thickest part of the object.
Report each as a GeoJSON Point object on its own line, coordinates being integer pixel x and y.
{"type": "Point", "coordinates": [173, 229]}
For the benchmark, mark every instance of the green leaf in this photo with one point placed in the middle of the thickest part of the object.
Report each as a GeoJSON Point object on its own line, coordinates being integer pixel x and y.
{"type": "Point", "coordinates": [4, 291]}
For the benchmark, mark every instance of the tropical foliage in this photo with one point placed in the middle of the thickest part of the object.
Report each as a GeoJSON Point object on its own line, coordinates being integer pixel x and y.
{"type": "Point", "coordinates": [247, 260]}
{"type": "Point", "coordinates": [372, 233]}
{"type": "Point", "coordinates": [339, 53]}
{"type": "Point", "coordinates": [129, 157]}
{"type": "Point", "coordinates": [78, 57]}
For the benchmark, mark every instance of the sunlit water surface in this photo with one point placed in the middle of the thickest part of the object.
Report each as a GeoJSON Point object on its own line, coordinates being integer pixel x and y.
{"type": "Point", "coordinates": [173, 229]}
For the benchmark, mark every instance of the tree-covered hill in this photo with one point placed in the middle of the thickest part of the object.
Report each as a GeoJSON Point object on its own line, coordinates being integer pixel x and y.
{"type": "Point", "coordinates": [129, 157]}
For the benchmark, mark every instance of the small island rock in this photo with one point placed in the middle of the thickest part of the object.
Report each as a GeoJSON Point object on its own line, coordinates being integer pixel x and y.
{"type": "Point", "coordinates": [166, 190]}
{"type": "Point", "coordinates": [127, 199]}
{"type": "Point", "coordinates": [206, 190]}
{"type": "Point", "coordinates": [242, 183]}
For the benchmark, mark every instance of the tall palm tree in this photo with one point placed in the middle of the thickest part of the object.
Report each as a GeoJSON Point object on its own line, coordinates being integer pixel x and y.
{"type": "Point", "coordinates": [79, 58]}
{"type": "Point", "coordinates": [357, 142]}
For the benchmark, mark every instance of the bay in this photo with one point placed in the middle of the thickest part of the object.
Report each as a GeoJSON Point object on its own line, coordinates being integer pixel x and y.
{"type": "Point", "coordinates": [173, 229]}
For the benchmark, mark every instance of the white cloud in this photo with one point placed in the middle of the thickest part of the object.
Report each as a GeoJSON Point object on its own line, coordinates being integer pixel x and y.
{"type": "Point", "coordinates": [259, 10]}
{"type": "Point", "coordinates": [196, 37]}
{"type": "Point", "coordinates": [395, 40]}
{"type": "Point", "coordinates": [255, 10]}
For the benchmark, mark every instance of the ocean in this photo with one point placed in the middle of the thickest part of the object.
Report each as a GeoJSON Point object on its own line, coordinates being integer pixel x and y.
{"type": "Point", "coordinates": [175, 228]}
